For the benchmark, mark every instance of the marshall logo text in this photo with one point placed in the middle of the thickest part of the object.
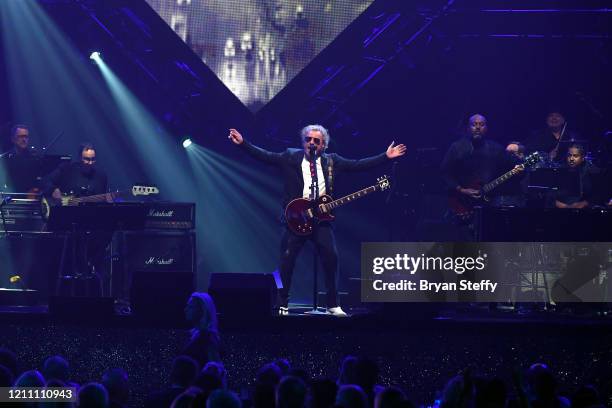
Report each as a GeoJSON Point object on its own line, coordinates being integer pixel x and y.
{"type": "Point", "coordinates": [154, 260]}
{"type": "Point", "coordinates": [161, 213]}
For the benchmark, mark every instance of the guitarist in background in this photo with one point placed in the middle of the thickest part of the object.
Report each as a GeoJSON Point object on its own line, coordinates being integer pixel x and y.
{"type": "Point", "coordinates": [82, 178]}
{"type": "Point", "coordinates": [295, 170]}
{"type": "Point", "coordinates": [472, 161]}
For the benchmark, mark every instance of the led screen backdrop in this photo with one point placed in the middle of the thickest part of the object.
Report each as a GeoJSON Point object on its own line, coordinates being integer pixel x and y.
{"type": "Point", "coordinates": [257, 46]}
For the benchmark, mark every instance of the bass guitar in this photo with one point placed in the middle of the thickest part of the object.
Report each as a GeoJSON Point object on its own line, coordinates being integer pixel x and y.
{"type": "Point", "coordinates": [301, 214]}
{"type": "Point", "coordinates": [69, 200]}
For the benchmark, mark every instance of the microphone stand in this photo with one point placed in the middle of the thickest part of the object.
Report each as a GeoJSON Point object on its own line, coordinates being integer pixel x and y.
{"type": "Point", "coordinates": [314, 198]}
{"type": "Point", "coordinates": [389, 200]}
{"type": "Point", "coordinates": [52, 142]}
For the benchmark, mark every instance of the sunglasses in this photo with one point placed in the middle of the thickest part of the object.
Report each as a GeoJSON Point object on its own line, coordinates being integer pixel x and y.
{"type": "Point", "coordinates": [88, 159]}
{"type": "Point", "coordinates": [309, 139]}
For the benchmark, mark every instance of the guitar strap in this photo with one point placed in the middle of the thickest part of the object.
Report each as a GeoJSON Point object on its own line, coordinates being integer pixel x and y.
{"type": "Point", "coordinates": [330, 176]}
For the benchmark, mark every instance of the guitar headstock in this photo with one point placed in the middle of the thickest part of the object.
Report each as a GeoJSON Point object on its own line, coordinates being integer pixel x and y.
{"type": "Point", "coordinates": [144, 190]}
{"type": "Point", "coordinates": [532, 159]}
{"type": "Point", "coordinates": [383, 183]}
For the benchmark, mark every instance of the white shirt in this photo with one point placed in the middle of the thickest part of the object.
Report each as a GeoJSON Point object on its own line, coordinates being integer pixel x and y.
{"type": "Point", "coordinates": [308, 179]}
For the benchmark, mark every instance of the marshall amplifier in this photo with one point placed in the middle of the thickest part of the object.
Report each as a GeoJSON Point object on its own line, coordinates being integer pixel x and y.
{"type": "Point", "coordinates": [170, 216]}
{"type": "Point", "coordinates": [160, 267]}
{"type": "Point", "coordinates": [159, 251]}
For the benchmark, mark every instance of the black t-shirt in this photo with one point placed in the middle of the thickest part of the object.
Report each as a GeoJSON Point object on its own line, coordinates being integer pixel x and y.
{"type": "Point", "coordinates": [77, 179]}
{"type": "Point", "coordinates": [576, 185]}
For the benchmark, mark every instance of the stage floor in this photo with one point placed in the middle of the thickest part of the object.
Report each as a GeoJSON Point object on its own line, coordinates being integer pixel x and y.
{"type": "Point", "coordinates": [390, 317]}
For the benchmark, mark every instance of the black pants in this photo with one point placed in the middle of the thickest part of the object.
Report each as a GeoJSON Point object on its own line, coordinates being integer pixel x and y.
{"type": "Point", "coordinates": [325, 243]}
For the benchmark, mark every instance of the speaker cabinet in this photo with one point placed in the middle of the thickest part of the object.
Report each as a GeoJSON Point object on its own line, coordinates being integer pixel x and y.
{"type": "Point", "coordinates": [160, 266]}
{"type": "Point", "coordinates": [160, 251]}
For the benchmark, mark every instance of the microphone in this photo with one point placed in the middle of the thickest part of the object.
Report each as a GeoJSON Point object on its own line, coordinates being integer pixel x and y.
{"type": "Point", "coordinates": [313, 151]}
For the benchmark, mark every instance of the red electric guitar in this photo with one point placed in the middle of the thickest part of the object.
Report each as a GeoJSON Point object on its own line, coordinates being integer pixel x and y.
{"type": "Point", "coordinates": [462, 206]}
{"type": "Point", "coordinates": [301, 215]}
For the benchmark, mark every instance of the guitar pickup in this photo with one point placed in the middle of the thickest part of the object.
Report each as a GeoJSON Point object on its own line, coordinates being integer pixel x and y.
{"type": "Point", "coordinates": [309, 213]}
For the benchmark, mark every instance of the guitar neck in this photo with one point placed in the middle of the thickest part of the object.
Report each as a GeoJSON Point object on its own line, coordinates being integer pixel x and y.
{"type": "Point", "coordinates": [94, 198]}
{"type": "Point", "coordinates": [501, 179]}
{"type": "Point", "coordinates": [351, 197]}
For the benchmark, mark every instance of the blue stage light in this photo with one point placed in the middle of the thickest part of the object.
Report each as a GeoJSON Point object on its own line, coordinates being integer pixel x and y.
{"type": "Point", "coordinates": [187, 142]}
{"type": "Point", "coordinates": [95, 56]}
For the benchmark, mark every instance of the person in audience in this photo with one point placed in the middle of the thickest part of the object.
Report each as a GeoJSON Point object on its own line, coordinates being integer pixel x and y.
{"type": "Point", "coordinates": [490, 393]}
{"type": "Point", "coordinates": [266, 381]}
{"type": "Point", "coordinates": [223, 399]}
{"type": "Point", "coordinates": [541, 388]}
{"type": "Point", "coordinates": [284, 365]}
{"type": "Point", "coordinates": [204, 344]}
{"type": "Point", "coordinates": [322, 393]}
{"type": "Point", "coordinates": [32, 378]}
{"type": "Point", "coordinates": [300, 373]}
{"type": "Point", "coordinates": [9, 360]}
{"type": "Point", "coordinates": [366, 376]}
{"type": "Point", "coordinates": [347, 371]}
{"type": "Point", "coordinates": [586, 397]}
{"type": "Point", "coordinates": [92, 395]}
{"type": "Point", "coordinates": [291, 393]}
{"type": "Point", "coordinates": [6, 377]}
{"type": "Point", "coordinates": [458, 392]}
{"type": "Point", "coordinates": [208, 382]}
{"type": "Point", "coordinates": [54, 383]}
{"type": "Point", "coordinates": [190, 398]}
{"type": "Point", "coordinates": [391, 397]}
{"type": "Point", "coordinates": [218, 370]}
{"type": "Point", "coordinates": [351, 396]}
{"type": "Point", "coordinates": [115, 380]}
{"type": "Point", "coordinates": [183, 373]}
{"type": "Point", "coordinates": [56, 367]}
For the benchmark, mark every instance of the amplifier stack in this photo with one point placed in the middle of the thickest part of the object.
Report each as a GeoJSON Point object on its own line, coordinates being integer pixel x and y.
{"type": "Point", "coordinates": [159, 262]}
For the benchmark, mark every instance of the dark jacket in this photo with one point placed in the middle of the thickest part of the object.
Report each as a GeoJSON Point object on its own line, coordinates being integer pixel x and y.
{"type": "Point", "coordinates": [70, 179]}
{"type": "Point", "coordinates": [467, 164]}
{"type": "Point", "coordinates": [290, 163]}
